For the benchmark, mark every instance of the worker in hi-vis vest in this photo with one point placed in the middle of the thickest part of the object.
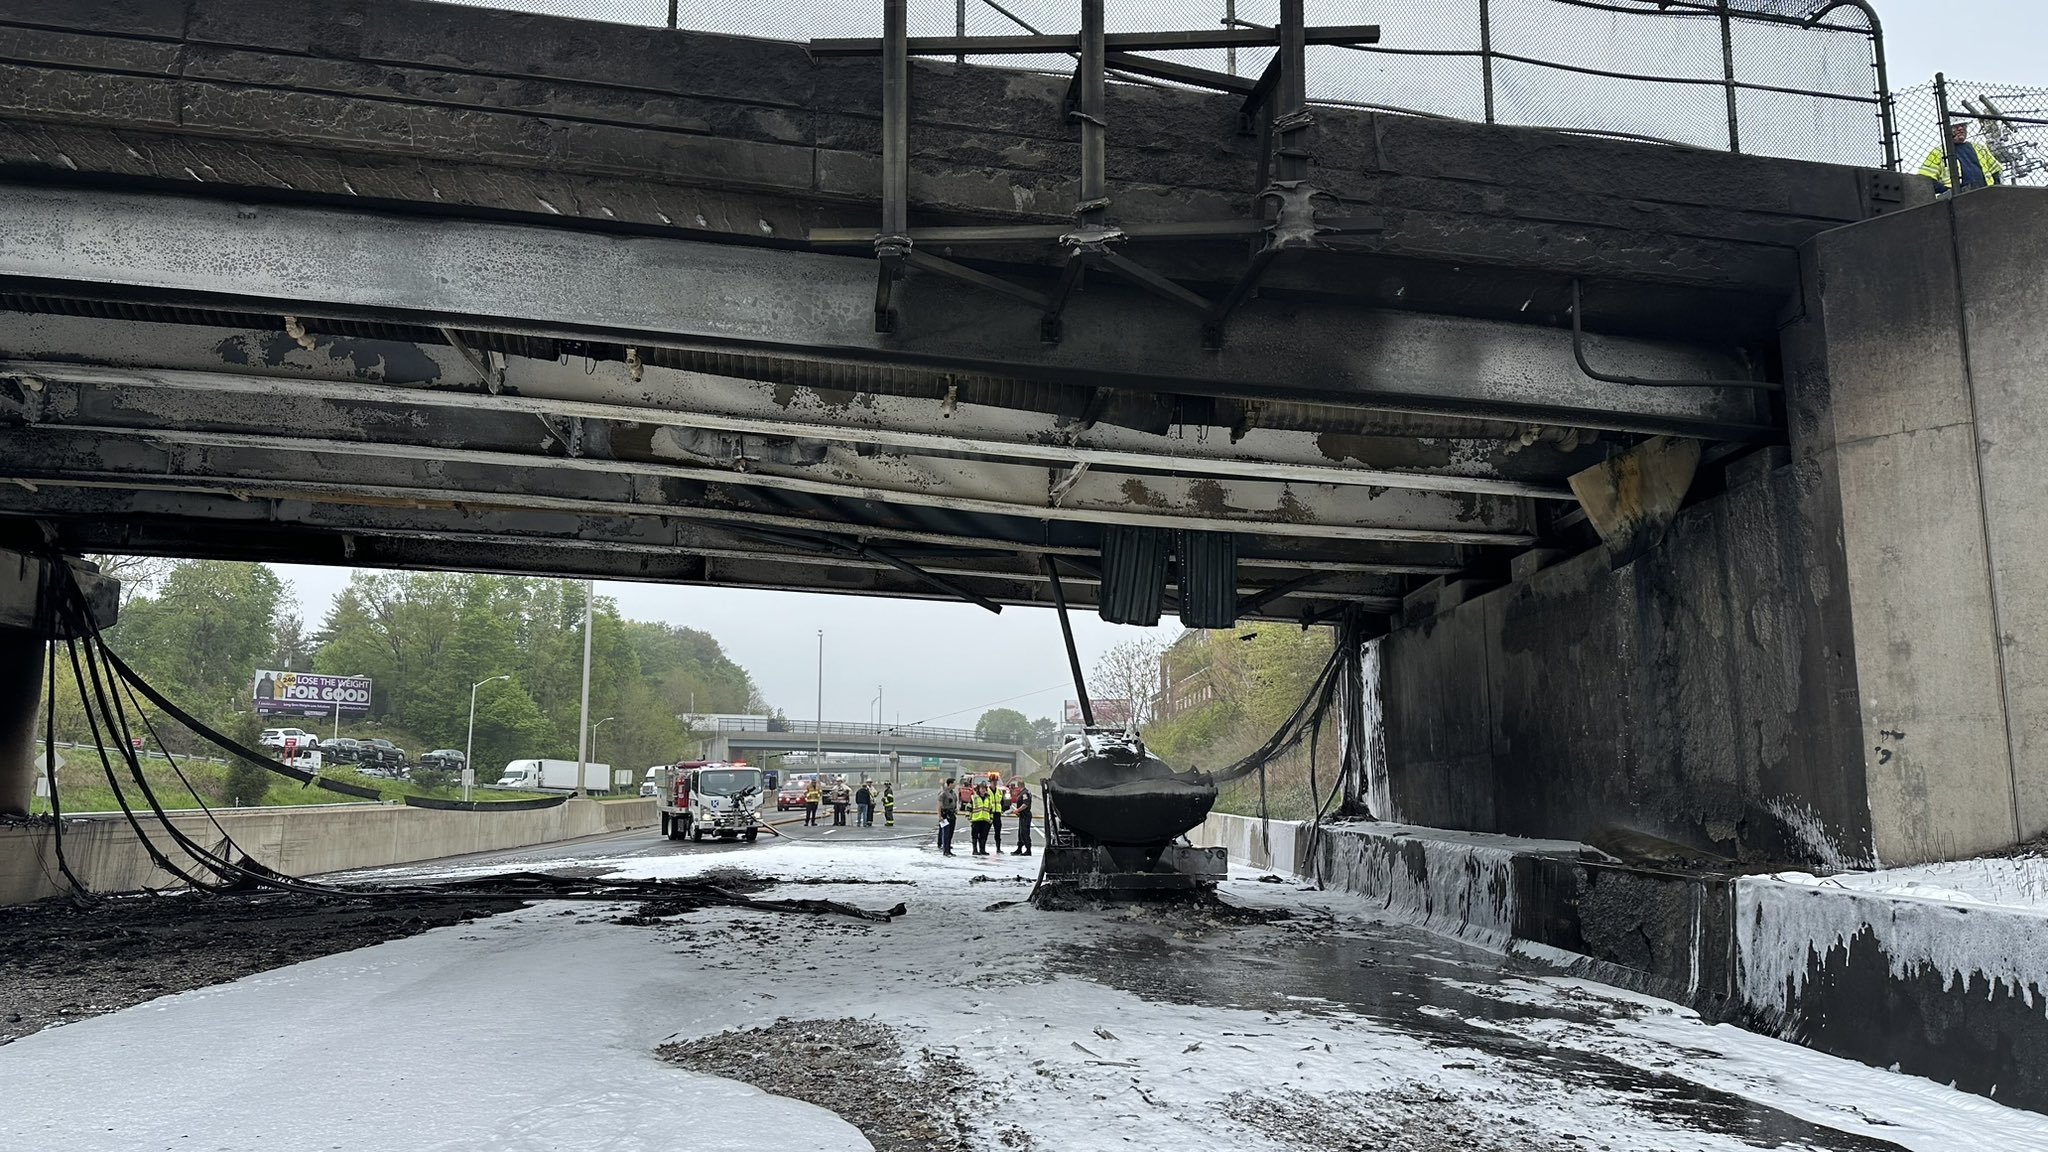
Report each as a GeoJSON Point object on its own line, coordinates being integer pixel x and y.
{"type": "Point", "coordinates": [1975, 165]}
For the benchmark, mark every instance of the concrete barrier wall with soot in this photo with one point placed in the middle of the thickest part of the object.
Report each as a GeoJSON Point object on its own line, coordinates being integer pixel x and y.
{"type": "Point", "coordinates": [1954, 992]}
{"type": "Point", "coordinates": [298, 841]}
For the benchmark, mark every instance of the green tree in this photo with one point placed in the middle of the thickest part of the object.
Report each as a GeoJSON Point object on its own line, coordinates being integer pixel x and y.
{"type": "Point", "coordinates": [690, 669]}
{"type": "Point", "coordinates": [206, 629]}
{"type": "Point", "coordinates": [198, 639]}
{"type": "Point", "coordinates": [1005, 726]}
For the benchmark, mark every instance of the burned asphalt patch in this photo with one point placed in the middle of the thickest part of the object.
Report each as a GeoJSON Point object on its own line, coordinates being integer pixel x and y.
{"type": "Point", "coordinates": [858, 1070]}
{"type": "Point", "coordinates": [60, 963]}
{"type": "Point", "coordinates": [1418, 1119]}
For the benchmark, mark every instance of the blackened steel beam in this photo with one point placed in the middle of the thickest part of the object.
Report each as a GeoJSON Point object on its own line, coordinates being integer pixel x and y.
{"type": "Point", "coordinates": [892, 243]}
{"type": "Point", "coordinates": [895, 118]}
{"type": "Point", "coordinates": [1092, 204]}
{"type": "Point", "coordinates": [1026, 233]}
{"type": "Point", "coordinates": [1290, 95]}
{"type": "Point", "coordinates": [1153, 282]}
{"type": "Point", "coordinates": [199, 400]}
{"type": "Point", "coordinates": [961, 272]}
{"type": "Point", "coordinates": [1178, 73]}
{"type": "Point", "coordinates": [1252, 508]}
{"type": "Point", "coordinates": [669, 292]}
{"type": "Point", "coordinates": [1116, 42]}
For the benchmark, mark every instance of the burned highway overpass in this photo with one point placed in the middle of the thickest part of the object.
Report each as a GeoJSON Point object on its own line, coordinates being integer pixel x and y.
{"type": "Point", "coordinates": [414, 285]}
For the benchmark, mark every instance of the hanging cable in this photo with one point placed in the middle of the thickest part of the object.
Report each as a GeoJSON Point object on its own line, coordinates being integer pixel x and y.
{"type": "Point", "coordinates": [45, 620]}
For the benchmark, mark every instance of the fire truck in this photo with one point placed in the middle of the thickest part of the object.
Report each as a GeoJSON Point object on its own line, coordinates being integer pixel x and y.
{"type": "Point", "coordinates": [707, 798]}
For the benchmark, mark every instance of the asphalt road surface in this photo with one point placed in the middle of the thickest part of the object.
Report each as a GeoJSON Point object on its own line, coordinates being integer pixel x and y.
{"type": "Point", "coordinates": [1280, 1018]}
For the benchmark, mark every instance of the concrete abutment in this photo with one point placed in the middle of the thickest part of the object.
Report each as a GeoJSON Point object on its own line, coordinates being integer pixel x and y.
{"type": "Point", "coordinates": [1839, 659]}
{"type": "Point", "coordinates": [21, 672]}
{"type": "Point", "coordinates": [25, 627]}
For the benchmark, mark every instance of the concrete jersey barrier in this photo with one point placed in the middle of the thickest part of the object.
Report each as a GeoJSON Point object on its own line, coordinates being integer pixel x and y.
{"type": "Point", "coordinates": [299, 841]}
{"type": "Point", "coordinates": [1954, 992]}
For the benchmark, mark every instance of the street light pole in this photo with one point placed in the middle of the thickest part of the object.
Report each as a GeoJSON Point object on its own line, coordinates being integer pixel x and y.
{"type": "Point", "coordinates": [583, 715]}
{"type": "Point", "coordinates": [593, 736]}
{"type": "Point", "coordinates": [818, 750]}
{"type": "Point", "coordinates": [469, 745]}
{"type": "Point", "coordinates": [877, 705]}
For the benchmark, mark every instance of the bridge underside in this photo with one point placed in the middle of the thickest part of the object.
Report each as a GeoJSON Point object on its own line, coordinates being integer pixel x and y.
{"type": "Point", "coordinates": [427, 286]}
{"type": "Point", "coordinates": [206, 378]}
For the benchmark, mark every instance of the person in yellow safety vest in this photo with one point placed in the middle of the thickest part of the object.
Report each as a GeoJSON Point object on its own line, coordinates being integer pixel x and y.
{"type": "Point", "coordinates": [888, 805]}
{"type": "Point", "coordinates": [812, 796]}
{"type": "Point", "coordinates": [995, 791]}
{"type": "Point", "coordinates": [981, 810]}
{"type": "Point", "coordinates": [1980, 167]}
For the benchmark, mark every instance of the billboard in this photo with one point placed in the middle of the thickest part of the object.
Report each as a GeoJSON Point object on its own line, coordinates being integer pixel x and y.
{"type": "Point", "coordinates": [308, 694]}
{"type": "Point", "coordinates": [1111, 713]}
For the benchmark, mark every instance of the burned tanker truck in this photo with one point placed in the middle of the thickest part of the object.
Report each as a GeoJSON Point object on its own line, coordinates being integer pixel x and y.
{"type": "Point", "coordinates": [1116, 816]}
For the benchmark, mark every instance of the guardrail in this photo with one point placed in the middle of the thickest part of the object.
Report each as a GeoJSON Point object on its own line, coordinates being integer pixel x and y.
{"type": "Point", "coordinates": [1802, 79]}
{"type": "Point", "coordinates": [724, 725]}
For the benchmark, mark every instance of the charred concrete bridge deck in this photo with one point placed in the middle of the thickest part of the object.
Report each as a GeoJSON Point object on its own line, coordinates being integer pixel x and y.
{"type": "Point", "coordinates": [418, 285]}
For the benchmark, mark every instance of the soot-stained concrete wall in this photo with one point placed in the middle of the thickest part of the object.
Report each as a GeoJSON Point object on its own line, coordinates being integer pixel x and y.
{"type": "Point", "coordinates": [1954, 992]}
{"type": "Point", "coordinates": [1704, 693]}
{"type": "Point", "coordinates": [1841, 661]}
{"type": "Point", "coordinates": [1936, 426]}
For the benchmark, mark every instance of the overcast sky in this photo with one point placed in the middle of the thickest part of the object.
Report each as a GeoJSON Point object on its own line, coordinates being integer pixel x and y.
{"type": "Point", "coordinates": [945, 662]}
{"type": "Point", "coordinates": [932, 661]}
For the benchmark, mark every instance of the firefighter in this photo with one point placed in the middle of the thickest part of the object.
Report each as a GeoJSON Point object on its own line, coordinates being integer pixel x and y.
{"type": "Point", "coordinates": [979, 812]}
{"type": "Point", "coordinates": [888, 806]}
{"type": "Point", "coordinates": [1979, 166]}
{"type": "Point", "coordinates": [813, 796]}
{"type": "Point", "coordinates": [1022, 804]}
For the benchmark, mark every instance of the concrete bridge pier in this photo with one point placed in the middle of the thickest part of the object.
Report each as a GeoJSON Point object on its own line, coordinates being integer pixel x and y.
{"type": "Point", "coordinates": [1838, 654]}
{"type": "Point", "coordinates": [24, 631]}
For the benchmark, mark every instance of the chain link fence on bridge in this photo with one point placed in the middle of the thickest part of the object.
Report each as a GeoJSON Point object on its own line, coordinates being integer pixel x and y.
{"type": "Point", "coordinates": [1794, 78]}
{"type": "Point", "coordinates": [2010, 120]}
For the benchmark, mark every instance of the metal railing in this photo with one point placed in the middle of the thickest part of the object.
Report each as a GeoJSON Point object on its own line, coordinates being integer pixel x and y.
{"type": "Point", "coordinates": [1795, 78]}
{"type": "Point", "coordinates": [2009, 120]}
{"type": "Point", "coordinates": [723, 725]}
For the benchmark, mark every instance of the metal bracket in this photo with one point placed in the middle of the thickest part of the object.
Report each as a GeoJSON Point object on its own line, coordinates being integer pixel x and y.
{"type": "Point", "coordinates": [1579, 354]}
{"type": "Point", "coordinates": [892, 254]}
{"type": "Point", "coordinates": [1278, 92]}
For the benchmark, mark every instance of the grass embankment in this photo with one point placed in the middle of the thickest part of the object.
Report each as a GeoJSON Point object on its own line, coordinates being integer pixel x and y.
{"type": "Point", "coordinates": [82, 786]}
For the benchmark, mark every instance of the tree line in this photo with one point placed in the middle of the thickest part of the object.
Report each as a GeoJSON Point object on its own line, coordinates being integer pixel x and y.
{"type": "Point", "coordinates": [199, 629]}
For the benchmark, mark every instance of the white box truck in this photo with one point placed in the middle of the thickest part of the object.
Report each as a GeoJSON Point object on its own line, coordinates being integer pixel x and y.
{"type": "Point", "coordinates": [553, 776]}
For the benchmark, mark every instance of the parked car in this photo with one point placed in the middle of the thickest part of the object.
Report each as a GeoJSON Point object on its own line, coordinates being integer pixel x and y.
{"type": "Point", "coordinates": [451, 759]}
{"type": "Point", "coordinates": [342, 748]}
{"type": "Point", "coordinates": [276, 737]}
{"type": "Point", "coordinates": [789, 796]}
{"type": "Point", "coordinates": [381, 754]}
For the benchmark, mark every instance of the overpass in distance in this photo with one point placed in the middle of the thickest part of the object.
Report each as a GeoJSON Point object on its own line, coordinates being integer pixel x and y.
{"type": "Point", "coordinates": [1683, 491]}
{"type": "Point", "coordinates": [912, 741]}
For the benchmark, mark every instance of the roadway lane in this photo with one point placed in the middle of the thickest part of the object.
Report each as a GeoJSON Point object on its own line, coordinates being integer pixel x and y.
{"type": "Point", "coordinates": [1286, 1020]}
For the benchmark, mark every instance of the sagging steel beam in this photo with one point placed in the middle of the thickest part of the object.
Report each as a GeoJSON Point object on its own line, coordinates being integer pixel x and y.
{"type": "Point", "coordinates": [57, 450]}
{"type": "Point", "coordinates": [132, 517]}
{"type": "Point", "coordinates": [225, 401]}
{"type": "Point", "coordinates": [145, 522]}
{"type": "Point", "coordinates": [688, 293]}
